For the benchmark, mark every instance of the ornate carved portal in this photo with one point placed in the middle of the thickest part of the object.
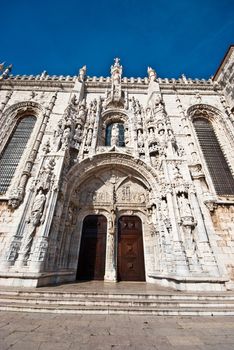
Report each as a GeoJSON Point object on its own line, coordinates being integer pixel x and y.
{"type": "Point", "coordinates": [109, 229]}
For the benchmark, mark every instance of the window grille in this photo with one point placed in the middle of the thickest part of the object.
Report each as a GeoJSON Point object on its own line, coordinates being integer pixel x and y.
{"type": "Point", "coordinates": [13, 151]}
{"type": "Point", "coordinates": [217, 165]}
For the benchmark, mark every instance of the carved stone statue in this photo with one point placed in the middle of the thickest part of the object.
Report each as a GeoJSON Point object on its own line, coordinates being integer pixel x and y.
{"type": "Point", "coordinates": [152, 74]}
{"type": "Point", "coordinates": [66, 138]}
{"type": "Point", "coordinates": [159, 108]}
{"type": "Point", "coordinates": [115, 135]}
{"type": "Point", "coordinates": [82, 73]}
{"type": "Point", "coordinates": [184, 206]}
{"type": "Point", "coordinates": [116, 72]}
{"type": "Point", "coordinates": [78, 134]}
{"type": "Point", "coordinates": [89, 137]}
{"type": "Point", "coordinates": [58, 135]}
{"type": "Point", "coordinates": [46, 175]}
{"type": "Point", "coordinates": [112, 220]}
{"type": "Point", "coordinates": [148, 114]}
{"type": "Point", "coordinates": [37, 208]}
{"type": "Point", "coordinates": [81, 113]}
{"type": "Point", "coordinates": [140, 139]}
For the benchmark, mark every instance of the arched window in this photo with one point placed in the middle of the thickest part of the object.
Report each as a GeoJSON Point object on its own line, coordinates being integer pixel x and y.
{"type": "Point", "coordinates": [11, 155]}
{"type": "Point", "coordinates": [115, 135]}
{"type": "Point", "coordinates": [217, 165]}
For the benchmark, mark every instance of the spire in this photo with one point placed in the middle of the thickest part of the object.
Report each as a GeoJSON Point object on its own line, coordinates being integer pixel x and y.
{"type": "Point", "coordinates": [116, 72]}
{"type": "Point", "coordinates": [6, 71]}
{"type": "Point", "coordinates": [115, 96]}
{"type": "Point", "coordinates": [152, 74]}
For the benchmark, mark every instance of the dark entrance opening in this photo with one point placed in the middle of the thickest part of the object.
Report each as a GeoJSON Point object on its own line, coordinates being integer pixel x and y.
{"type": "Point", "coordinates": [91, 264]}
{"type": "Point", "coordinates": [130, 249]}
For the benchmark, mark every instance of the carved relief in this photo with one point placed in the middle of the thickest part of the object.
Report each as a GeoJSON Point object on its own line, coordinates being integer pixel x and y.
{"type": "Point", "coordinates": [111, 187]}
{"type": "Point", "coordinates": [5, 215]}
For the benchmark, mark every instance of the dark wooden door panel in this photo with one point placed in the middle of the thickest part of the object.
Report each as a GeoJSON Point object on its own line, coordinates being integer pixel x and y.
{"type": "Point", "coordinates": [130, 249]}
{"type": "Point", "coordinates": [91, 265]}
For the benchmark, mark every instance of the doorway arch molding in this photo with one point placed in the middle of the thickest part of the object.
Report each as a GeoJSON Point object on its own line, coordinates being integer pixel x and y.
{"type": "Point", "coordinates": [112, 160]}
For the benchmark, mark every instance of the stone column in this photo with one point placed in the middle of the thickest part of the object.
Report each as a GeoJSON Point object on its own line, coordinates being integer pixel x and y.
{"type": "Point", "coordinates": [201, 230]}
{"type": "Point", "coordinates": [110, 267]}
{"type": "Point", "coordinates": [95, 130]}
{"type": "Point", "coordinates": [179, 254]}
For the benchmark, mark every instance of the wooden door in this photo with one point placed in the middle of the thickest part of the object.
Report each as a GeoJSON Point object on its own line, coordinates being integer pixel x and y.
{"type": "Point", "coordinates": [91, 265]}
{"type": "Point", "coordinates": [130, 249]}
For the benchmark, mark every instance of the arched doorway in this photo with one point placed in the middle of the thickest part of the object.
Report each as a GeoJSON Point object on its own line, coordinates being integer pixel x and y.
{"type": "Point", "coordinates": [130, 249]}
{"type": "Point", "coordinates": [91, 264]}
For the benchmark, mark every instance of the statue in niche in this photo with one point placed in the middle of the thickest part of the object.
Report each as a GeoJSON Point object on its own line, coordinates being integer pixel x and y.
{"type": "Point", "coordinates": [82, 112]}
{"type": "Point", "coordinates": [92, 112]}
{"type": "Point", "coordinates": [35, 219]}
{"type": "Point", "coordinates": [151, 134]}
{"type": "Point", "coordinates": [114, 135]}
{"type": "Point", "coordinates": [139, 121]}
{"type": "Point", "coordinates": [37, 208]}
{"type": "Point", "coordinates": [112, 219]}
{"type": "Point", "coordinates": [46, 174]}
{"type": "Point", "coordinates": [179, 150]}
{"type": "Point", "coordinates": [195, 158]}
{"type": "Point", "coordinates": [159, 108]}
{"type": "Point", "coordinates": [177, 174]}
{"type": "Point", "coordinates": [184, 206]}
{"type": "Point", "coordinates": [149, 117]}
{"type": "Point", "coordinates": [89, 137]}
{"type": "Point", "coordinates": [66, 138]}
{"type": "Point", "coordinates": [58, 135]}
{"type": "Point", "coordinates": [78, 134]}
{"type": "Point", "coordinates": [140, 139]}
{"type": "Point", "coordinates": [133, 105]}
{"type": "Point", "coordinates": [161, 134]}
{"type": "Point", "coordinates": [74, 101]}
{"type": "Point", "coordinates": [137, 107]}
{"type": "Point", "coordinates": [165, 215]}
{"type": "Point", "coordinates": [164, 209]}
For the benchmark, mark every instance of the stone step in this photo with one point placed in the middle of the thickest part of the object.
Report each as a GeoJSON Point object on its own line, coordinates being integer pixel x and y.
{"type": "Point", "coordinates": [159, 311]}
{"type": "Point", "coordinates": [124, 296]}
{"type": "Point", "coordinates": [115, 302]}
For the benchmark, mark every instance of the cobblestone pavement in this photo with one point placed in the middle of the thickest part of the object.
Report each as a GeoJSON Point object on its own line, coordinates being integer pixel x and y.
{"type": "Point", "coordinates": [26, 331]}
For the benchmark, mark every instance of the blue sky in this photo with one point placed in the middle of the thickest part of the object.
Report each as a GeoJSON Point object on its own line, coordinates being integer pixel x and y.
{"type": "Point", "coordinates": [174, 37]}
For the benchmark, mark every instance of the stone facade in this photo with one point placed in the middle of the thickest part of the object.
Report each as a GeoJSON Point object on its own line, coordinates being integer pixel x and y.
{"type": "Point", "coordinates": [225, 77]}
{"type": "Point", "coordinates": [116, 146]}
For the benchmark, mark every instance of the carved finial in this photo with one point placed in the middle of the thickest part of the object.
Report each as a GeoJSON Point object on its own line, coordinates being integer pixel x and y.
{"type": "Point", "coordinates": [2, 66]}
{"type": "Point", "coordinates": [117, 61]}
{"type": "Point", "coordinates": [152, 74]}
{"type": "Point", "coordinates": [116, 71]}
{"type": "Point", "coordinates": [44, 74]}
{"type": "Point", "coordinates": [82, 73]}
{"type": "Point", "coordinates": [184, 78]}
{"type": "Point", "coordinates": [6, 72]}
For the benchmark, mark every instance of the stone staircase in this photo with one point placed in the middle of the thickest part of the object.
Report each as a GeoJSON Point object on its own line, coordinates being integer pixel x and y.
{"type": "Point", "coordinates": [81, 302]}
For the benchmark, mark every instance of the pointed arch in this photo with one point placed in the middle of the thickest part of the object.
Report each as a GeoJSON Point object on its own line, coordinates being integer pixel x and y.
{"type": "Point", "coordinates": [204, 119]}
{"type": "Point", "coordinates": [14, 148]}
